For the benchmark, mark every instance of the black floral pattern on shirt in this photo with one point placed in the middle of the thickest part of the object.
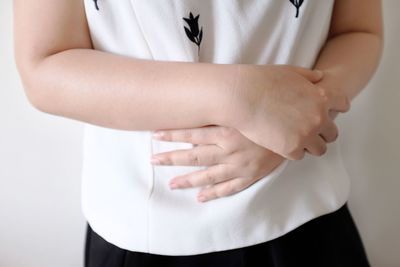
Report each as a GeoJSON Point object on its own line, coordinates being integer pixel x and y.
{"type": "Point", "coordinates": [194, 34]}
{"type": "Point", "coordinates": [297, 4]}
{"type": "Point", "coordinates": [95, 4]}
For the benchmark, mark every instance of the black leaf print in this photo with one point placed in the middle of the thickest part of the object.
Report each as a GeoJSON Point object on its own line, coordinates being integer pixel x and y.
{"type": "Point", "coordinates": [297, 4]}
{"type": "Point", "coordinates": [95, 4]}
{"type": "Point", "coordinates": [193, 33]}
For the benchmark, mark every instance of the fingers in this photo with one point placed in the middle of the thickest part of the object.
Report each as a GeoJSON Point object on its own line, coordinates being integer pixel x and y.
{"type": "Point", "coordinates": [204, 155]}
{"type": "Point", "coordinates": [224, 189]}
{"type": "Point", "coordinates": [317, 146]}
{"type": "Point", "coordinates": [337, 100]}
{"type": "Point", "coordinates": [201, 135]}
{"type": "Point", "coordinates": [333, 114]}
{"type": "Point", "coordinates": [313, 76]}
{"type": "Point", "coordinates": [212, 175]}
{"type": "Point", "coordinates": [329, 132]}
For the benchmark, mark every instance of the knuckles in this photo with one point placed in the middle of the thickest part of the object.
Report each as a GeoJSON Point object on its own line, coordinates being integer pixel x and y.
{"type": "Point", "coordinates": [194, 158]}
{"type": "Point", "coordinates": [187, 135]}
{"type": "Point", "coordinates": [233, 187]}
{"type": "Point", "coordinates": [317, 120]}
{"type": "Point", "coordinates": [210, 179]}
{"type": "Point", "coordinates": [323, 95]}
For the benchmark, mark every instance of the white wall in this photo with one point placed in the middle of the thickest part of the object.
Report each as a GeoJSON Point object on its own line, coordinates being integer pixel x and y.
{"type": "Point", "coordinates": [41, 224]}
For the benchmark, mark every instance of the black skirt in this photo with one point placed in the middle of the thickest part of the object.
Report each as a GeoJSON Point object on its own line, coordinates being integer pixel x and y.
{"type": "Point", "coordinates": [328, 240]}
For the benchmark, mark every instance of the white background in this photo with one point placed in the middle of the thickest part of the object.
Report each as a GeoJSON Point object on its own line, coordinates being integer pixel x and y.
{"type": "Point", "coordinates": [41, 224]}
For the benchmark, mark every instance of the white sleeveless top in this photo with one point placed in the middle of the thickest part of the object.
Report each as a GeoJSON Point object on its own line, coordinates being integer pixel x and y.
{"type": "Point", "coordinates": [127, 200]}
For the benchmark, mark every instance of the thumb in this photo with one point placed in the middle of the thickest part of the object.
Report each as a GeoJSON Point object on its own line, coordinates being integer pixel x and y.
{"type": "Point", "coordinates": [311, 75]}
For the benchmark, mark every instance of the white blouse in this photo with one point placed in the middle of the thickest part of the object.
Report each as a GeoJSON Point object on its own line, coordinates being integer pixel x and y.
{"type": "Point", "coordinates": [127, 200]}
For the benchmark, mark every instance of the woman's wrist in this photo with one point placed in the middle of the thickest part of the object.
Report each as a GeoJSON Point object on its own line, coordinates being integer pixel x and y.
{"type": "Point", "coordinates": [234, 110]}
{"type": "Point", "coordinates": [227, 111]}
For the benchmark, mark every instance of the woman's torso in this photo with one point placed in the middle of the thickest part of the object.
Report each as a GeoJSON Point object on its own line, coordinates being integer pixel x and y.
{"type": "Point", "coordinates": [127, 200]}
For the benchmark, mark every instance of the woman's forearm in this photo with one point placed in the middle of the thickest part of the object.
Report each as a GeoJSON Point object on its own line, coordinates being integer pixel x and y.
{"type": "Point", "coordinates": [130, 94]}
{"type": "Point", "coordinates": [349, 60]}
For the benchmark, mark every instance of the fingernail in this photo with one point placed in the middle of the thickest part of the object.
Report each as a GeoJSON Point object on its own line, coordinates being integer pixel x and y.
{"type": "Point", "coordinates": [158, 134]}
{"type": "Point", "coordinates": [155, 161]}
{"type": "Point", "coordinates": [201, 198]}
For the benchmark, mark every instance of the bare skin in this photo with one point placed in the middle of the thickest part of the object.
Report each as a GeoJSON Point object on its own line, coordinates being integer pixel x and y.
{"type": "Point", "coordinates": [63, 75]}
{"type": "Point", "coordinates": [235, 163]}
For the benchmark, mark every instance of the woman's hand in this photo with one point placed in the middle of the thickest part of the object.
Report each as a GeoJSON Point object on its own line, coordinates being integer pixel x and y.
{"type": "Point", "coordinates": [235, 161]}
{"type": "Point", "coordinates": [281, 108]}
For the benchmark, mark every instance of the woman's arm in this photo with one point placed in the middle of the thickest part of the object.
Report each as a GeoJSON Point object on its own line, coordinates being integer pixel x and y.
{"type": "Point", "coordinates": [354, 47]}
{"type": "Point", "coordinates": [63, 75]}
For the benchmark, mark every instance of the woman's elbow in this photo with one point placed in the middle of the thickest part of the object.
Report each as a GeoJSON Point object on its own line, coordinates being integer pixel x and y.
{"type": "Point", "coordinates": [30, 81]}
